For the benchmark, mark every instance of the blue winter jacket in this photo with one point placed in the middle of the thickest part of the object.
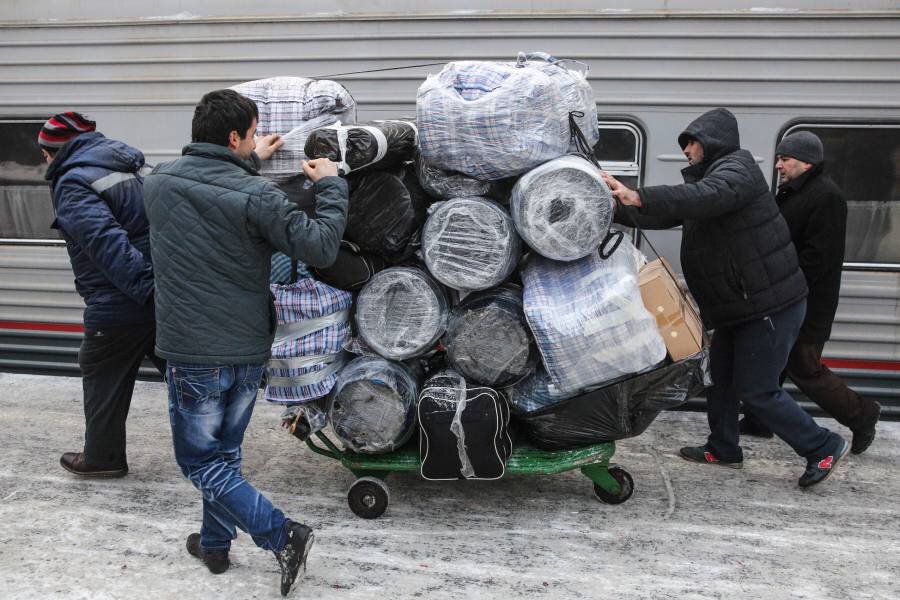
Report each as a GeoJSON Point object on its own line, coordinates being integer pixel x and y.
{"type": "Point", "coordinates": [98, 197]}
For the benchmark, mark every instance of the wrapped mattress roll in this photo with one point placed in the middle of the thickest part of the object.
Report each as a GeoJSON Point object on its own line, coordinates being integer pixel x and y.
{"type": "Point", "coordinates": [401, 312]}
{"type": "Point", "coordinates": [488, 340]}
{"type": "Point", "coordinates": [470, 244]}
{"type": "Point", "coordinates": [372, 406]}
{"type": "Point", "coordinates": [562, 209]}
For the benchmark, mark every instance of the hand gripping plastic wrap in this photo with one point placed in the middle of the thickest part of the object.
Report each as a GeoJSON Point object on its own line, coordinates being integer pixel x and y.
{"type": "Point", "coordinates": [620, 410]}
{"type": "Point", "coordinates": [563, 208]}
{"type": "Point", "coordinates": [401, 312]}
{"type": "Point", "coordinates": [294, 107]}
{"type": "Point", "coordinates": [588, 318]}
{"type": "Point", "coordinates": [470, 244]}
{"type": "Point", "coordinates": [372, 407]}
{"type": "Point", "coordinates": [491, 120]}
{"type": "Point", "coordinates": [313, 326]}
{"type": "Point", "coordinates": [376, 144]}
{"type": "Point", "coordinates": [382, 217]}
{"type": "Point", "coordinates": [488, 339]}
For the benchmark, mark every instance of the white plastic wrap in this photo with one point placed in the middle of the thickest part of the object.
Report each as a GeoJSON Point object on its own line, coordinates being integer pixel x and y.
{"type": "Point", "coordinates": [488, 339]}
{"type": "Point", "coordinates": [588, 318]}
{"type": "Point", "coordinates": [535, 392]}
{"type": "Point", "coordinates": [448, 390]}
{"type": "Point", "coordinates": [295, 106]}
{"type": "Point", "coordinates": [401, 312]}
{"type": "Point", "coordinates": [372, 406]}
{"type": "Point", "coordinates": [470, 243]}
{"type": "Point", "coordinates": [563, 208]}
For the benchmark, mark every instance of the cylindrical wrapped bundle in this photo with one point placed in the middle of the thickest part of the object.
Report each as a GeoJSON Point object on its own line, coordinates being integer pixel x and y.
{"type": "Point", "coordinates": [563, 208]}
{"type": "Point", "coordinates": [294, 107]}
{"type": "Point", "coordinates": [488, 339]}
{"type": "Point", "coordinates": [401, 312]}
{"type": "Point", "coordinates": [448, 184]}
{"type": "Point", "coordinates": [535, 392]}
{"type": "Point", "coordinates": [382, 217]}
{"type": "Point", "coordinates": [470, 244]}
{"type": "Point", "coordinates": [379, 144]}
{"type": "Point", "coordinates": [372, 407]}
{"type": "Point", "coordinates": [491, 120]}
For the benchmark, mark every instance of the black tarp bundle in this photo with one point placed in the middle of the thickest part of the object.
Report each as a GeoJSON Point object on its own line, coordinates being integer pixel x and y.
{"type": "Point", "coordinates": [376, 144]}
{"type": "Point", "coordinates": [301, 191]}
{"type": "Point", "coordinates": [620, 410]}
{"type": "Point", "coordinates": [488, 340]}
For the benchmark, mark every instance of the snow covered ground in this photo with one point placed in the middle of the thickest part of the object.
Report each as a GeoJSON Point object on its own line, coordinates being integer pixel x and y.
{"type": "Point", "coordinates": [689, 531]}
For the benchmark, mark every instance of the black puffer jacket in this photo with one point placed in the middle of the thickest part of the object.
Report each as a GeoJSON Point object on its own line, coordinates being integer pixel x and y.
{"type": "Point", "coordinates": [816, 214]}
{"type": "Point", "coordinates": [736, 251]}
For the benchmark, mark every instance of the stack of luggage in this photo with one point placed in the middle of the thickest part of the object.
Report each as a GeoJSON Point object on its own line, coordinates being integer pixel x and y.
{"type": "Point", "coordinates": [485, 289]}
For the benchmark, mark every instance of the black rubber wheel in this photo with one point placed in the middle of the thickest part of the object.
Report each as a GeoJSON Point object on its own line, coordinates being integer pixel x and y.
{"type": "Point", "coordinates": [368, 497]}
{"type": "Point", "coordinates": [625, 482]}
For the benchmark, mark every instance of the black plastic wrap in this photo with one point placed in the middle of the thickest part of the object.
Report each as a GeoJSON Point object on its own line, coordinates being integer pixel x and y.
{"type": "Point", "coordinates": [301, 191]}
{"type": "Point", "coordinates": [372, 407]}
{"type": "Point", "coordinates": [488, 339]}
{"type": "Point", "coordinates": [375, 144]}
{"type": "Point", "coordinates": [621, 410]}
{"type": "Point", "coordinates": [352, 268]}
{"type": "Point", "coordinates": [383, 218]}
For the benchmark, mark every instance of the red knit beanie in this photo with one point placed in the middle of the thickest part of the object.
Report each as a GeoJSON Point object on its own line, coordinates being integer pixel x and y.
{"type": "Point", "coordinates": [61, 128]}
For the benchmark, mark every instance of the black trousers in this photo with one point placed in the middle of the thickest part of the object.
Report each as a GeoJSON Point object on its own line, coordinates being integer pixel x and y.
{"type": "Point", "coordinates": [109, 358]}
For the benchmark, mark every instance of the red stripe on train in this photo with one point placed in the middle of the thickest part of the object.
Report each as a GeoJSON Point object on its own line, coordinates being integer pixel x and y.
{"type": "Point", "coordinates": [27, 326]}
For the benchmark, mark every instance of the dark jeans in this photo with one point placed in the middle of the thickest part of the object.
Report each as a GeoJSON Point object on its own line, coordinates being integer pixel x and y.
{"type": "Point", "coordinates": [745, 363]}
{"type": "Point", "coordinates": [209, 409]}
{"type": "Point", "coordinates": [109, 359]}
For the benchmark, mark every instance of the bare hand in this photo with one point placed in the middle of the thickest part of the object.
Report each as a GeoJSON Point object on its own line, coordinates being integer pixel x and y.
{"type": "Point", "coordinates": [620, 191]}
{"type": "Point", "coordinates": [267, 145]}
{"type": "Point", "coordinates": [319, 168]}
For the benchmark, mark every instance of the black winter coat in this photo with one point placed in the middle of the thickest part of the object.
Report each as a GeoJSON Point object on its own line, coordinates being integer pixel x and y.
{"type": "Point", "coordinates": [816, 214]}
{"type": "Point", "coordinates": [736, 251]}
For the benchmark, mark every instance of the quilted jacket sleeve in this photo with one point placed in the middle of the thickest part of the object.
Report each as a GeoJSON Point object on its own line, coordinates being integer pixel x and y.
{"type": "Point", "coordinates": [87, 220]}
{"type": "Point", "coordinates": [313, 241]}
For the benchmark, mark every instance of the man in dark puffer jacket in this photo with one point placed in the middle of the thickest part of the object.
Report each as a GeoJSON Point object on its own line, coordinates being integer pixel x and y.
{"type": "Point", "coordinates": [213, 226]}
{"type": "Point", "coordinates": [741, 267]}
{"type": "Point", "coordinates": [816, 214]}
{"type": "Point", "coordinates": [99, 204]}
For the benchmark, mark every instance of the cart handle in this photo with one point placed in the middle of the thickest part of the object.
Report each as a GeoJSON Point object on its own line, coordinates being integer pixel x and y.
{"type": "Point", "coordinates": [332, 451]}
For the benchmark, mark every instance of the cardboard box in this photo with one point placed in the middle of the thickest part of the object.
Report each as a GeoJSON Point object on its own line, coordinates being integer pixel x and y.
{"type": "Point", "coordinates": [676, 318]}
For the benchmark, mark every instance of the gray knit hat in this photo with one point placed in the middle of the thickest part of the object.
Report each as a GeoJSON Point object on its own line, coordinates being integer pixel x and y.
{"type": "Point", "coordinates": [803, 145]}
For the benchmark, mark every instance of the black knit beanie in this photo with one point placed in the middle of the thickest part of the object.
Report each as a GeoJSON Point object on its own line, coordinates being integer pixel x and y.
{"type": "Point", "coordinates": [803, 145]}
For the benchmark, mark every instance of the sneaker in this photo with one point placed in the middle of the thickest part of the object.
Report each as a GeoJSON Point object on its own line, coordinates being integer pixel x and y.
{"type": "Point", "coordinates": [750, 426]}
{"type": "Point", "coordinates": [818, 471]}
{"type": "Point", "coordinates": [863, 437]}
{"type": "Point", "coordinates": [74, 462]}
{"type": "Point", "coordinates": [702, 454]}
{"type": "Point", "coordinates": [215, 560]}
{"type": "Point", "coordinates": [293, 556]}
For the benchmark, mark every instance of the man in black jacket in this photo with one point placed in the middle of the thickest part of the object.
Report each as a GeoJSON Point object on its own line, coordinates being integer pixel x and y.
{"type": "Point", "coordinates": [816, 214]}
{"type": "Point", "coordinates": [740, 265]}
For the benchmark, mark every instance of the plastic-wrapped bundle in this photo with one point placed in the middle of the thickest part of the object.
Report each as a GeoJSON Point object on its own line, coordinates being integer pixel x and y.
{"type": "Point", "coordinates": [488, 339]}
{"type": "Point", "coordinates": [294, 107]}
{"type": "Point", "coordinates": [470, 243]}
{"type": "Point", "coordinates": [588, 318]}
{"type": "Point", "coordinates": [382, 217]}
{"type": "Point", "coordinates": [447, 184]}
{"type": "Point", "coordinates": [535, 392]}
{"type": "Point", "coordinates": [313, 326]}
{"type": "Point", "coordinates": [563, 208]}
{"type": "Point", "coordinates": [401, 312]}
{"type": "Point", "coordinates": [379, 144]}
{"type": "Point", "coordinates": [372, 407]}
{"type": "Point", "coordinates": [620, 410]}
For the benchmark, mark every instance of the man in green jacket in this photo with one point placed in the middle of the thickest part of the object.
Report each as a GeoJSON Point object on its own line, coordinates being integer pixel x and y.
{"type": "Point", "coordinates": [214, 223]}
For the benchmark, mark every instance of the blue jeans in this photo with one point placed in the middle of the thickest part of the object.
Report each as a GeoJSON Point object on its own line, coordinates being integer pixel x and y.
{"type": "Point", "coordinates": [745, 363]}
{"type": "Point", "coordinates": [209, 408]}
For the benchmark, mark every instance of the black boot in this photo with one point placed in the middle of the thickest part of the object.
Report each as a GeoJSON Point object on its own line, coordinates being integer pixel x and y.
{"type": "Point", "coordinates": [215, 560]}
{"type": "Point", "coordinates": [293, 556]}
{"type": "Point", "coordinates": [863, 435]}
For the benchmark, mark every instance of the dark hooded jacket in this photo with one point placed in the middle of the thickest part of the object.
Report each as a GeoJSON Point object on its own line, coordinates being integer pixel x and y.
{"type": "Point", "coordinates": [816, 214]}
{"type": "Point", "coordinates": [213, 225]}
{"type": "Point", "coordinates": [98, 198]}
{"type": "Point", "coordinates": [736, 250]}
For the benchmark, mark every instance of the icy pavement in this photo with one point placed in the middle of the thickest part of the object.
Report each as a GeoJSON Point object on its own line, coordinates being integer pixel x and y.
{"type": "Point", "coordinates": [689, 531]}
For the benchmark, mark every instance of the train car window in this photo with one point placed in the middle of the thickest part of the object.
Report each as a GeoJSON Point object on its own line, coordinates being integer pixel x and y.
{"type": "Point", "coordinates": [864, 160]}
{"type": "Point", "coordinates": [26, 208]}
{"type": "Point", "coordinates": [620, 151]}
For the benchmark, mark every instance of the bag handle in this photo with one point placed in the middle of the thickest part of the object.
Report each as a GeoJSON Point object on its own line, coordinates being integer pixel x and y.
{"type": "Point", "coordinates": [524, 57]}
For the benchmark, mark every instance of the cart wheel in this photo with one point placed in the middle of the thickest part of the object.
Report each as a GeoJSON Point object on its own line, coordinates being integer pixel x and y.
{"type": "Point", "coordinates": [368, 497]}
{"type": "Point", "coordinates": [626, 484]}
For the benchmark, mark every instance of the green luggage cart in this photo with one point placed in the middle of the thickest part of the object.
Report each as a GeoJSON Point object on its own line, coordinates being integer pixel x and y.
{"type": "Point", "coordinates": [369, 495]}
